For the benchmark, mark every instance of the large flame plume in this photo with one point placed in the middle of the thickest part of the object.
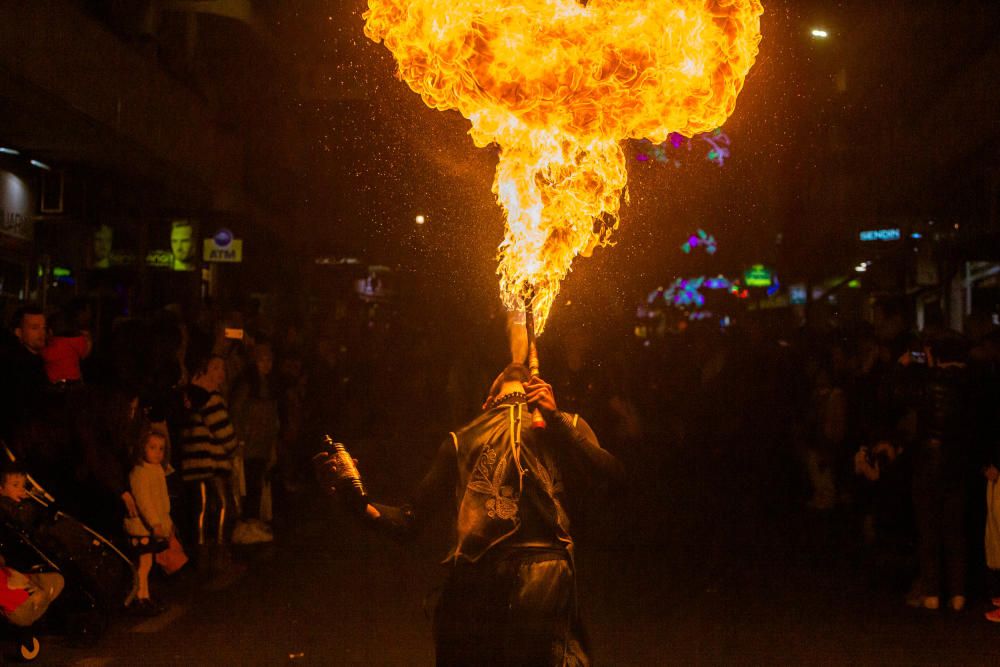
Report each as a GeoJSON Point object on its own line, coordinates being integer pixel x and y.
{"type": "Point", "coordinates": [558, 86]}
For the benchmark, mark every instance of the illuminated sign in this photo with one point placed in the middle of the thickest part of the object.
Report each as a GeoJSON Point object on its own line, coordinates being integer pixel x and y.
{"type": "Point", "coordinates": [757, 275]}
{"type": "Point", "coordinates": [182, 244]}
{"type": "Point", "coordinates": [16, 214]}
{"type": "Point", "coordinates": [892, 234]}
{"type": "Point", "coordinates": [223, 247]}
{"type": "Point", "coordinates": [160, 259]}
{"type": "Point", "coordinates": [797, 294]}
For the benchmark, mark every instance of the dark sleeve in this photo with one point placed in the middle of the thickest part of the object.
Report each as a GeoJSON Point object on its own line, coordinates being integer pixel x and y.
{"type": "Point", "coordinates": [435, 489]}
{"type": "Point", "coordinates": [584, 448]}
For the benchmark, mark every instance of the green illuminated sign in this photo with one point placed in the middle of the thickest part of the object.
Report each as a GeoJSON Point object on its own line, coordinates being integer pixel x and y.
{"type": "Point", "coordinates": [757, 275]}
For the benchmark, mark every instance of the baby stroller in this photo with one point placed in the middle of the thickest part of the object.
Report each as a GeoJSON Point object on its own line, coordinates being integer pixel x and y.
{"type": "Point", "coordinates": [99, 578]}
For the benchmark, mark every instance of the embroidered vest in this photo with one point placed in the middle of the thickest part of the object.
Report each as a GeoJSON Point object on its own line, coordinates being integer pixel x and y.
{"type": "Point", "coordinates": [496, 452]}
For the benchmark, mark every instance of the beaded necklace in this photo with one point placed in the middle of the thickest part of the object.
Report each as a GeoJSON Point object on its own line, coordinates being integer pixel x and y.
{"type": "Point", "coordinates": [510, 397]}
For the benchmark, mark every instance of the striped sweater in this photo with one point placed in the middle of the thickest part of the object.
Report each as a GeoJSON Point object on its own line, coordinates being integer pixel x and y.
{"type": "Point", "coordinates": [208, 442]}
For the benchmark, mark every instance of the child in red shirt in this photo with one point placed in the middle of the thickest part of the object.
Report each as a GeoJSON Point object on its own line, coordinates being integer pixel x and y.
{"type": "Point", "coordinates": [67, 347]}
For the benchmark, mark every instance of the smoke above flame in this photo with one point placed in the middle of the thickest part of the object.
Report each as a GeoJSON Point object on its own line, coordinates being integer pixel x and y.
{"type": "Point", "coordinates": [558, 87]}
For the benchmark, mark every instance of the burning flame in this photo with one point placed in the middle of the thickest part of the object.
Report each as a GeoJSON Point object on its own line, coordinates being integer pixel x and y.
{"type": "Point", "coordinates": [558, 86]}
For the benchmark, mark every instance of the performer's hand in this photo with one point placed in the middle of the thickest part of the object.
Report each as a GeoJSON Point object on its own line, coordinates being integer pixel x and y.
{"type": "Point", "coordinates": [325, 467]}
{"type": "Point", "coordinates": [541, 396]}
{"type": "Point", "coordinates": [863, 467]}
{"type": "Point", "coordinates": [328, 472]}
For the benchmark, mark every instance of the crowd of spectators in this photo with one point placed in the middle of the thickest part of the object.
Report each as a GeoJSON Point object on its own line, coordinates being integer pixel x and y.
{"type": "Point", "coordinates": [173, 438]}
{"type": "Point", "coordinates": [884, 438]}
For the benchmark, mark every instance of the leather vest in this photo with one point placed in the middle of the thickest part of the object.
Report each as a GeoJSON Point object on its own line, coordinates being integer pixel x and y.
{"type": "Point", "coordinates": [496, 453]}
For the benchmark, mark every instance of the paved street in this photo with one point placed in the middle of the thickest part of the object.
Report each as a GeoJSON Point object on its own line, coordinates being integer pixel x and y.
{"type": "Point", "coordinates": [331, 593]}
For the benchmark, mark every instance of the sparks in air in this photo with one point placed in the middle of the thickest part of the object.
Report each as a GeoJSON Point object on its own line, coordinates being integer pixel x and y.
{"type": "Point", "coordinates": [559, 86]}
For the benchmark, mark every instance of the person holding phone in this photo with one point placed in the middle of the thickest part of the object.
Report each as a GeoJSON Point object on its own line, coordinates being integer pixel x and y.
{"type": "Point", "coordinates": [940, 393]}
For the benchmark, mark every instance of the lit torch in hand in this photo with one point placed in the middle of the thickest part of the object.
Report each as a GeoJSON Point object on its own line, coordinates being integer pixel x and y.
{"type": "Point", "coordinates": [537, 421]}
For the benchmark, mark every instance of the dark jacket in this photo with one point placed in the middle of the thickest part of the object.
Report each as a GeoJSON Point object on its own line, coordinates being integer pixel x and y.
{"type": "Point", "coordinates": [486, 467]}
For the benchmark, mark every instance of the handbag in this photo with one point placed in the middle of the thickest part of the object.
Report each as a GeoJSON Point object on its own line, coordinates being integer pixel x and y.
{"type": "Point", "coordinates": [173, 557]}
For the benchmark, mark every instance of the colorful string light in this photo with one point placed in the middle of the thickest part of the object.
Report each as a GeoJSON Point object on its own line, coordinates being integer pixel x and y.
{"type": "Point", "coordinates": [718, 141]}
{"type": "Point", "coordinates": [700, 240]}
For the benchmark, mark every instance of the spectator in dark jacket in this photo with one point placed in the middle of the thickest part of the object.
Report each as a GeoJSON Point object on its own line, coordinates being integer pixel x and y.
{"type": "Point", "coordinates": [22, 371]}
{"type": "Point", "coordinates": [939, 391]}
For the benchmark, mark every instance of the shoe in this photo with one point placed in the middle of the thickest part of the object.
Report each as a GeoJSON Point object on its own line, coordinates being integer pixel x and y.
{"type": "Point", "coordinates": [957, 602]}
{"type": "Point", "coordinates": [932, 602]}
{"type": "Point", "coordinates": [251, 532]}
{"type": "Point", "coordinates": [993, 616]}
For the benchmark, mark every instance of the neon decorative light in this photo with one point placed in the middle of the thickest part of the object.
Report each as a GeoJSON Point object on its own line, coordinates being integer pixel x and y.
{"type": "Point", "coordinates": [718, 147]}
{"type": "Point", "coordinates": [758, 275]}
{"type": "Point", "coordinates": [687, 291]}
{"type": "Point", "coordinates": [700, 240]}
{"type": "Point", "coordinates": [684, 292]}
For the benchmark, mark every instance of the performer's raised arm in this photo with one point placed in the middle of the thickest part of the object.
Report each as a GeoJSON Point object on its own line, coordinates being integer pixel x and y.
{"type": "Point", "coordinates": [402, 521]}
{"type": "Point", "coordinates": [573, 430]}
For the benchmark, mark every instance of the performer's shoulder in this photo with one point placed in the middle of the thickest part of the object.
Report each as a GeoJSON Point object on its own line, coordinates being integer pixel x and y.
{"type": "Point", "coordinates": [480, 420]}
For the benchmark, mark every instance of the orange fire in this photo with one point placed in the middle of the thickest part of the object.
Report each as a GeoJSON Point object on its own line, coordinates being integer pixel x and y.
{"type": "Point", "coordinates": [558, 86]}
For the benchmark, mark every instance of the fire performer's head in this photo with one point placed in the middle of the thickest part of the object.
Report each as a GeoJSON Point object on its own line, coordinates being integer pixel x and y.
{"type": "Point", "coordinates": [510, 382]}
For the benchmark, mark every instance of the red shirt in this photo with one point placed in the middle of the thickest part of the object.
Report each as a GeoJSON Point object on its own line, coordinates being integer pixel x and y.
{"type": "Point", "coordinates": [62, 357]}
{"type": "Point", "coordinates": [10, 598]}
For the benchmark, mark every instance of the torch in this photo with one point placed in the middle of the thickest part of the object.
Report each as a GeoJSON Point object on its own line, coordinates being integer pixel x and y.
{"type": "Point", "coordinates": [537, 421]}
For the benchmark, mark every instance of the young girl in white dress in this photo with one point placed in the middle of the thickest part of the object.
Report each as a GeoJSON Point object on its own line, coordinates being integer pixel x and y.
{"type": "Point", "coordinates": [150, 531]}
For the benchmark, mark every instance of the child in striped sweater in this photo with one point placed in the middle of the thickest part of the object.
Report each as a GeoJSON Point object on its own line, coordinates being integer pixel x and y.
{"type": "Point", "coordinates": [208, 447]}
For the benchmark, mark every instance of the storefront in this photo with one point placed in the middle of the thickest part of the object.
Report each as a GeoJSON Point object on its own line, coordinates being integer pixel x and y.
{"type": "Point", "coordinates": [17, 227]}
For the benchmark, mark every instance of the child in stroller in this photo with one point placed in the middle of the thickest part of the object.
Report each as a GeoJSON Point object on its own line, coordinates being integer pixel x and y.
{"type": "Point", "coordinates": [33, 533]}
{"type": "Point", "coordinates": [24, 597]}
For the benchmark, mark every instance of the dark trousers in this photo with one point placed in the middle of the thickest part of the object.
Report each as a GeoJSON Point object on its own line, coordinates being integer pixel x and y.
{"type": "Point", "coordinates": [939, 512]}
{"type": "Point", "coordinates": [509, 611]}
{"type": "Point", "coordinates": [255, 471]}
{"type": "Point", "coordinates": [209, 503]}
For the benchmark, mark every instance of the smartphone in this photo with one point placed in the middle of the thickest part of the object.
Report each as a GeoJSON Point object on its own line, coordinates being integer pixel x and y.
{"type": "Point", "coordinates": [234, 334]}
